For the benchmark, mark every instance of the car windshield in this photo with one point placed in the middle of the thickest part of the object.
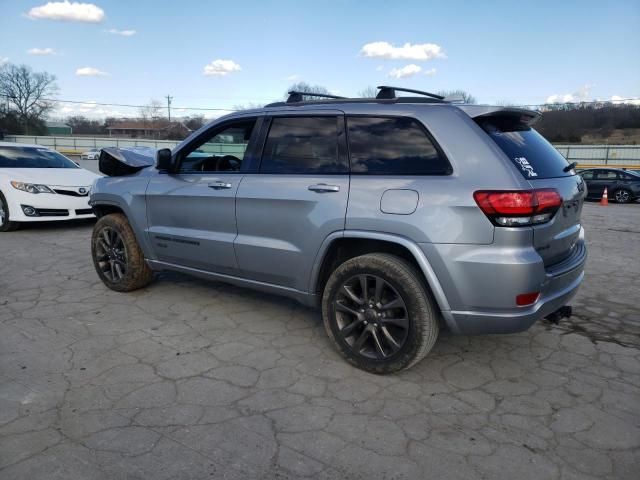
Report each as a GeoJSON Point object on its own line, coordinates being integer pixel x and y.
{"type": "Point", "coordinates": [633, 172]}
{"type": "Point", "coordinates": [33, 157]}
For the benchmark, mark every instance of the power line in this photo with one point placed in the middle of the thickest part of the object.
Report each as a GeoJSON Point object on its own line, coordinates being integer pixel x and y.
{"type": "Point", "coordinates": [102, 104]}
{"type": "Point", "coordinates": [169, 98]}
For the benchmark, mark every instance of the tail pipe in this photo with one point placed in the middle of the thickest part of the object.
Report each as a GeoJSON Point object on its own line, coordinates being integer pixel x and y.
{"type": "Point", "coordinates": [562, 312]}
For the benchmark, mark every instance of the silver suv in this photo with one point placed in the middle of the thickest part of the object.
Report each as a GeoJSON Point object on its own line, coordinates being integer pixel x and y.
{"type": "Point", "coordinates": [398, 216]}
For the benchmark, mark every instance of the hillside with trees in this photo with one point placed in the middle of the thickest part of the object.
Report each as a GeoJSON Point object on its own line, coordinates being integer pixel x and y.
{"type": "Point", "coordinates": [591, 124]}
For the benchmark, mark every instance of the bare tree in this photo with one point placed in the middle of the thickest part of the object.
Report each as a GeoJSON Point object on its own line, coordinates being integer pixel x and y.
{"type": "Point", "coordinates": [466, 96]}
{"type": "Point", "coordinates": [28, 93]}
{"type": "Point", "coordinates": [304, 87]}
{"type": "Point", "coordinates": [151, 112]}
{"type": "Point", "coordinates": [368, 92]}
{"type": "Point", "coordinates": [247, 106]}
{"type": "Point", "coordinates": [195, 122]}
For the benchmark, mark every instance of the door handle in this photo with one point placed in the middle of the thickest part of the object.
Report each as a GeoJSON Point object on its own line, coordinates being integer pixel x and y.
{"type": "Point", "coordinates": [219, 185]}
{"type": "Point", "coordinates": [324, 188]}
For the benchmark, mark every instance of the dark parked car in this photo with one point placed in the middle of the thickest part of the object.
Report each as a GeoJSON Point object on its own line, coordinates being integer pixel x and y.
{"type": "Point", "coordinates": [623, 186]}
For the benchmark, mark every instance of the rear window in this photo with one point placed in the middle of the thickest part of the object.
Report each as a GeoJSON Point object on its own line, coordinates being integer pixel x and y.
{"type": "Point", "coordinates": [393, 146]}
{"type": "Point", "coordinates": [528, 150]}
{"type": "Point", "coordinates": [30, 157]}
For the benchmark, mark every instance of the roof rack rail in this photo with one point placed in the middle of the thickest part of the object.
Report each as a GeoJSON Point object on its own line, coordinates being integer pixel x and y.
{"type": "Point", "coordinates": [295, 96]}
{"type": "Point", "coordinates": [387, 92]}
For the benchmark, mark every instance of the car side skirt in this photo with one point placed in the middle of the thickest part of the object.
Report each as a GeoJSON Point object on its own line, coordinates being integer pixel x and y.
{"type": "Point", "coordinates": [304, 298]}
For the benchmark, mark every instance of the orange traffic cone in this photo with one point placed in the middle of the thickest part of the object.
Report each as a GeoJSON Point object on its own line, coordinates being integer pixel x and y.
{"type": "Point", "coordinates": [605, 198]}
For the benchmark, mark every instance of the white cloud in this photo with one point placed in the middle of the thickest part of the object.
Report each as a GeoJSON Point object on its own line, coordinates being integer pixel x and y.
{"type": "Point", "coordinates": [221, 68]}
{"type": "Point", "coordinates": [41, 51]}
{"type": "Point", "coordinates": [431, 71]}
{"type": "Point", "coordinates": [90, 72]}
{"type": "Point", "coordinates": [405, 72]}
{"type": "Point", "coordinates": [417, 52]}
{"type": "Point", "coordinates": [4, 61]}
{"type": "Point", "coordinates": [581, 95]}
{"type": "Point", "coordinates": [618, 100]}
{"type": "Point", "coordinates": [379, 68]}
{"type": "Point", "coordinates": [293, 77]}
{"type": "Point", "coordinates": [67, 11]}
{"type": "Point", "coordinates": [93, 113]}
{"type": "Point", "coordinates": [122, 33]}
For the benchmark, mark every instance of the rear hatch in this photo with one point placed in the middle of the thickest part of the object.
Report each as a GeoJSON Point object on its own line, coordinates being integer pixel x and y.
{"type": "Point", "coordinates": [543, 167]}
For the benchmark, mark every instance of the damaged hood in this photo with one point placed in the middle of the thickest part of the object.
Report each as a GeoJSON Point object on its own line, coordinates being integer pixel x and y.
{"type": "Point", "coordinates": [125, 161]}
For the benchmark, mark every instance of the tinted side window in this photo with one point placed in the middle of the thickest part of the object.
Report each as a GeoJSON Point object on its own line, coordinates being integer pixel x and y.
{"type": "Point", "coordinates": [302, 145]}
{"type": "Point", "coordinates": [606, 175]}
{"type": "Point", "coordinates": [222, 151]}
{"type": "Point", "coordinates": [393, 146]}
{"type": "Point", "coordinates": [587, 175]}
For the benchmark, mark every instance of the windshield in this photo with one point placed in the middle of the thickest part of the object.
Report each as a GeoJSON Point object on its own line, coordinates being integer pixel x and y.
{"type": "Point", "coordinates": [32, 157]}
{"type": "Point", "coordinates": [527, 149]}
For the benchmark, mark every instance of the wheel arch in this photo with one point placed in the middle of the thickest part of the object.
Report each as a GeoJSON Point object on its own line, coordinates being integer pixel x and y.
{"type": "Point", "coordinates": [340, 246]}
{"type": "Point", "coordinates": [102, 207]}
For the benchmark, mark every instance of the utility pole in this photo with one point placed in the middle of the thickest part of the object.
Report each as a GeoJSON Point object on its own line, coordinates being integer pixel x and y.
{"type": "Point", "coordinates": [169, 98]}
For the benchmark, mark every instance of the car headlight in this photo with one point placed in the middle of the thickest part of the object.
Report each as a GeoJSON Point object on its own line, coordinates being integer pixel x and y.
{"type": "Point", "coordinates": [31, 187]}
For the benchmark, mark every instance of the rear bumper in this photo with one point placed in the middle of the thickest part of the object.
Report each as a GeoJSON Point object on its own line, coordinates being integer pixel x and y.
{"type": "Point", "coordinates": [482, 284]}
{"type": "Point", "coordinates": [483, 322]}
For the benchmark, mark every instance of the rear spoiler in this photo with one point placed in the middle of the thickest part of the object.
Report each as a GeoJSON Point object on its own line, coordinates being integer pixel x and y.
{"type": "Point", "coordinates": [116, 162]}
{"type": "Point", "coordinates": [526, 116]}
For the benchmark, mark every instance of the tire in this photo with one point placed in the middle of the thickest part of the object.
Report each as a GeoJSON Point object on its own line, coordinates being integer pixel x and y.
{"type": "Point", "coordinates": [117, 257]}
{"type": "Point", "coordinates": [5, 224]}
{"type": "Point", "coordinates": [414, 335]}
{"type": "Point", "coordinates": [622, 195]}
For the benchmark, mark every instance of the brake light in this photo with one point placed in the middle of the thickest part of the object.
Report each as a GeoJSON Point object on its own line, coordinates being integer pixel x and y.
{"type": "Point", "coordinates": [519, 207]}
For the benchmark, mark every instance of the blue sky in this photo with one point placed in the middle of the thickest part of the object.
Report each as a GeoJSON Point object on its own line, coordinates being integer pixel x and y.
{"type": "Point", "coordinates": [521, 52]}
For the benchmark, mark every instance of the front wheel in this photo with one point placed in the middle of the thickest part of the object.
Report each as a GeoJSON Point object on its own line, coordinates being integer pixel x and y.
{"type": "Point", "coordinates": [378, 313]}
{"type": "Point", "coordinates": [622, 195]}
{"type": "Point", "coordinates": [117, 256]}
{"type": "Point", "coordinates": [5, 224]}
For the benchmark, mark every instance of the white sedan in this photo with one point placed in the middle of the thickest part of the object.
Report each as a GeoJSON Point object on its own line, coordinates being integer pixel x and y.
{"type": "Point", "coordinates": [39, 184]}
{"type": "Point", "coordinates": [92, 154]}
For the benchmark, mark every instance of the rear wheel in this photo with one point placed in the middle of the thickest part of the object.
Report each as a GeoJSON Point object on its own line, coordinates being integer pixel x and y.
{"type": "Point", "coordinates": [5, 224]}
{"type": "Point", "coordinates": [117, 256]}
{"type": "Point", "coordinates": [622, 195]}
{"type": "Point", "coordinates": [378, 313]}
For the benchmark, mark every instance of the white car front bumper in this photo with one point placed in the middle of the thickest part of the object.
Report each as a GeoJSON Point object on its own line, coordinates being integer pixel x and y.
{"type": "Point", "coordinates": [49, 206]}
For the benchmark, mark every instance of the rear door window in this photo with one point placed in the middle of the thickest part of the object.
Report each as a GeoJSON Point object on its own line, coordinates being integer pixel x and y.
{"type": "Point", "coordinates": [303, 145]}
{"type": "Point", "coordinates": [393, 146]}
{"type": "Point", "coordinates": [606, 175]}
{"type": "Point", "coordinates": [534, 157]}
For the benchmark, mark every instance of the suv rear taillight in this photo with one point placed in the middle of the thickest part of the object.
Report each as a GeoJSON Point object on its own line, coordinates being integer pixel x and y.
{"type": "Point", "coordinates": [519, 207]}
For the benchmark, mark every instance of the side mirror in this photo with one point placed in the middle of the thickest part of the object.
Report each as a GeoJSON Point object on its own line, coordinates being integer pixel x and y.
{"type": "Point", "coordinates": [164, 161]}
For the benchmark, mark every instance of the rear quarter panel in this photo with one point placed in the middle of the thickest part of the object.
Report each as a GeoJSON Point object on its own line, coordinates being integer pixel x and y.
{"type": "Point", "coordinates": [446, 211]}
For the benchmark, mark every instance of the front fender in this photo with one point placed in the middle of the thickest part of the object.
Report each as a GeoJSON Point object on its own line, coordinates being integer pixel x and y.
{"type": "Point", "coordinates": [126, 194]}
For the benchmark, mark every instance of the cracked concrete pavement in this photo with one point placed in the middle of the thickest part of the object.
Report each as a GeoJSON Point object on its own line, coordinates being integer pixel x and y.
{"type": "Point", "coordinates": [189, 379]}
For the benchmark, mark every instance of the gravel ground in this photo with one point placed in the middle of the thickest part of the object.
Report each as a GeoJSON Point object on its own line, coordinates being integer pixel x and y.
{"type": "Point", "coordinates": [189, 379]}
